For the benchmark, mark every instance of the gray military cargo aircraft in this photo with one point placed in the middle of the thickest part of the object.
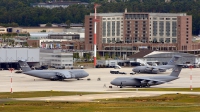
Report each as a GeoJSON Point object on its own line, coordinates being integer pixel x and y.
{"type": "Point", "coordinates": [139, 81]}
{"type": "Point", "coordinates": [52, 74]}
{"type": "Point", "coordinates": [157, 69]}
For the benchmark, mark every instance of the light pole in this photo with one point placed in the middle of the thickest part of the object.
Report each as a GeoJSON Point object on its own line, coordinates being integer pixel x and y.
{"type": "Point", "coordinates": [95, 31]}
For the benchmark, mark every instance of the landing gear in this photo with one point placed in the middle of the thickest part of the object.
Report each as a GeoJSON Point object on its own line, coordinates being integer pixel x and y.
{"type": "Point", "coordinates": [121, 85]}
{"type": "Point", "coordinates": [78, 79]}
{"type": "Point", "coordinates": [148, 86]}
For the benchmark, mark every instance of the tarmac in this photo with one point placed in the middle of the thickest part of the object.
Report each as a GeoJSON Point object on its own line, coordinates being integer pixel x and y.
{"type": "Point", "coordinates": [22, 83]}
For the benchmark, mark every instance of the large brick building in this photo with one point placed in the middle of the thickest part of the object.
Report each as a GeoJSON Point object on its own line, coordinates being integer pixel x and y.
{"type": "Point", "coordinates": [127, 32]}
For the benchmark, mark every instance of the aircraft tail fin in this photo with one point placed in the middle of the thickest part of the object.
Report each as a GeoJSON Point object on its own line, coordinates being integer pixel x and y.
{"type": "Point", "coordinates": [173, 60]}
{"type": "Point", "coordinates": [24, 66]}
{"type": "Point", "coordinates": [176, 70]}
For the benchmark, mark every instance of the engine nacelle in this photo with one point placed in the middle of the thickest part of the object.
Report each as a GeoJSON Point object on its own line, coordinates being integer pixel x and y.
{"type": "Point", "coordinates": [148, 69]}
{"type": "Point", "coordinates": [143, 82]}
{"type": "Point", "coordinates": [151, 83]}
{"type": "Point", "coordinates": [155, 71]}
{"type": "Point", "coordinates": [162, 70]}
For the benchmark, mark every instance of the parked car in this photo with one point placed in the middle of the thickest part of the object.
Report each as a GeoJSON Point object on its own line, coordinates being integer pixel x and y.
{"type": "Point", "coordinates": [122, 73]}
{"type": "Point", "coordinates": [60, 67]}
{"type": "Point", "coordinates": [18, 71]}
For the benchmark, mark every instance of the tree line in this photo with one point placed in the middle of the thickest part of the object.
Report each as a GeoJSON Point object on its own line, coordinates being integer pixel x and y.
{"type": "Point", "coordinates": [20, 12]}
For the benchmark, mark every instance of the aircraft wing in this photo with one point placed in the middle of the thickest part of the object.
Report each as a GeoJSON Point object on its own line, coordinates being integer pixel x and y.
{"type": "Point", "coordinates": [155, 68]}
{"type": "Point", "coordinates": [162, 68]}
{"type": "Point", "coordinates": [149, 79]}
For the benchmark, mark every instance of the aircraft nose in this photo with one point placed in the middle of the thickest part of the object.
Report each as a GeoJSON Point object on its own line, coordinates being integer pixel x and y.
{"type": "Point", "coordinates": [86, 74]}
{"type": "Point", "coordinates": [133, 69]}
{"type": "Point", "coordinates": [113, 82]}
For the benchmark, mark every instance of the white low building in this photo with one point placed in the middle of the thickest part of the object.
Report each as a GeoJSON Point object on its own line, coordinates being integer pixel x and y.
{"type": "Point", "coordinates": [55, 57]}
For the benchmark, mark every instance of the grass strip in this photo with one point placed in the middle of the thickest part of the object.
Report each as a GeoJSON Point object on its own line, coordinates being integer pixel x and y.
{"type": "Point", "coordinates": [163, 103]}
{"type": "Point", "coordinates": [5, 95]}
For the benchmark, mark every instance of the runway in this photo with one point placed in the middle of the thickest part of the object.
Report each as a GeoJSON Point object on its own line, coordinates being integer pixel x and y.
{"type": "Point", "coordinates": [22, 82]}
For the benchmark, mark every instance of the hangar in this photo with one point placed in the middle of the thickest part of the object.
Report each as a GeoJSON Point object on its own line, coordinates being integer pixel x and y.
{"type": "Point", "coordinates": [145, 56]}
{"type": "Point", "coordinates": [10, 56]}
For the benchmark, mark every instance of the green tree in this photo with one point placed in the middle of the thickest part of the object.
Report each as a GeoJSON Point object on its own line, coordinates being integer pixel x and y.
{"type": "Point", "coordinates": [113, 56]}
{"type": "Point", "coordinates": [98, 56]}
{"type": "Point", "coordinates": [48, 25]}
{"type": "Point", "coordinates": [76, 56]}
{"type": "Point", "coordinates": [106, 56]}
{"type": "Point", "coordinates": [68, 23]}
{"type": "Point", "coordinates": [87, 56]}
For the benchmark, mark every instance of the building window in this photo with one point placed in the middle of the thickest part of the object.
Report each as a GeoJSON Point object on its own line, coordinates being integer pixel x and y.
{"type": "Point", "coordinates": [104, 29]}
{"type": "Point", "coordinates": [167, 28]}
{"type": "Point", "coordinates": [113, 28]}
{"type": "Point", "coordinates": [174, 29]}
{"type": "Point", "coordinates": [161, 28]}
{"type": "Point", "coordinates": [167, 40]}
{"type": "Point", "coordinates": [108, 28]}
{"type": "Point", "coordinates": [118, 28]}
{"type": "Point", "coordinates": [174, 18]}
{"type": "Point", "coordinates": [155, 28]}
{"type": "Point", "coordinates": [161, 18]}
{"type": "Point", "coordinates": [173, 40]}
{"type": "Point", "coordinates": [104, 40]}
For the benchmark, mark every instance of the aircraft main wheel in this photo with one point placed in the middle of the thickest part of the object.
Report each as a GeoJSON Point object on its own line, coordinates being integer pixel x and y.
{"type": "Point", "coordinates": [120, 86]}
{"type": "Point", "coordinates": [78, 79]}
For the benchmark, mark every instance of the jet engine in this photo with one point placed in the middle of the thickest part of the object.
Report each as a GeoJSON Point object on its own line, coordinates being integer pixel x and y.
{"type": "Point", "coordinates": [148, 69]}
{"type": "Point", "coordinates": [162, 70]}
{"type": "Point", "coordinates": [143, 82]}
{"type": "Point", "coordinates": [151, 83]}
{"type": "Point", "coordinates": [155, 71]}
